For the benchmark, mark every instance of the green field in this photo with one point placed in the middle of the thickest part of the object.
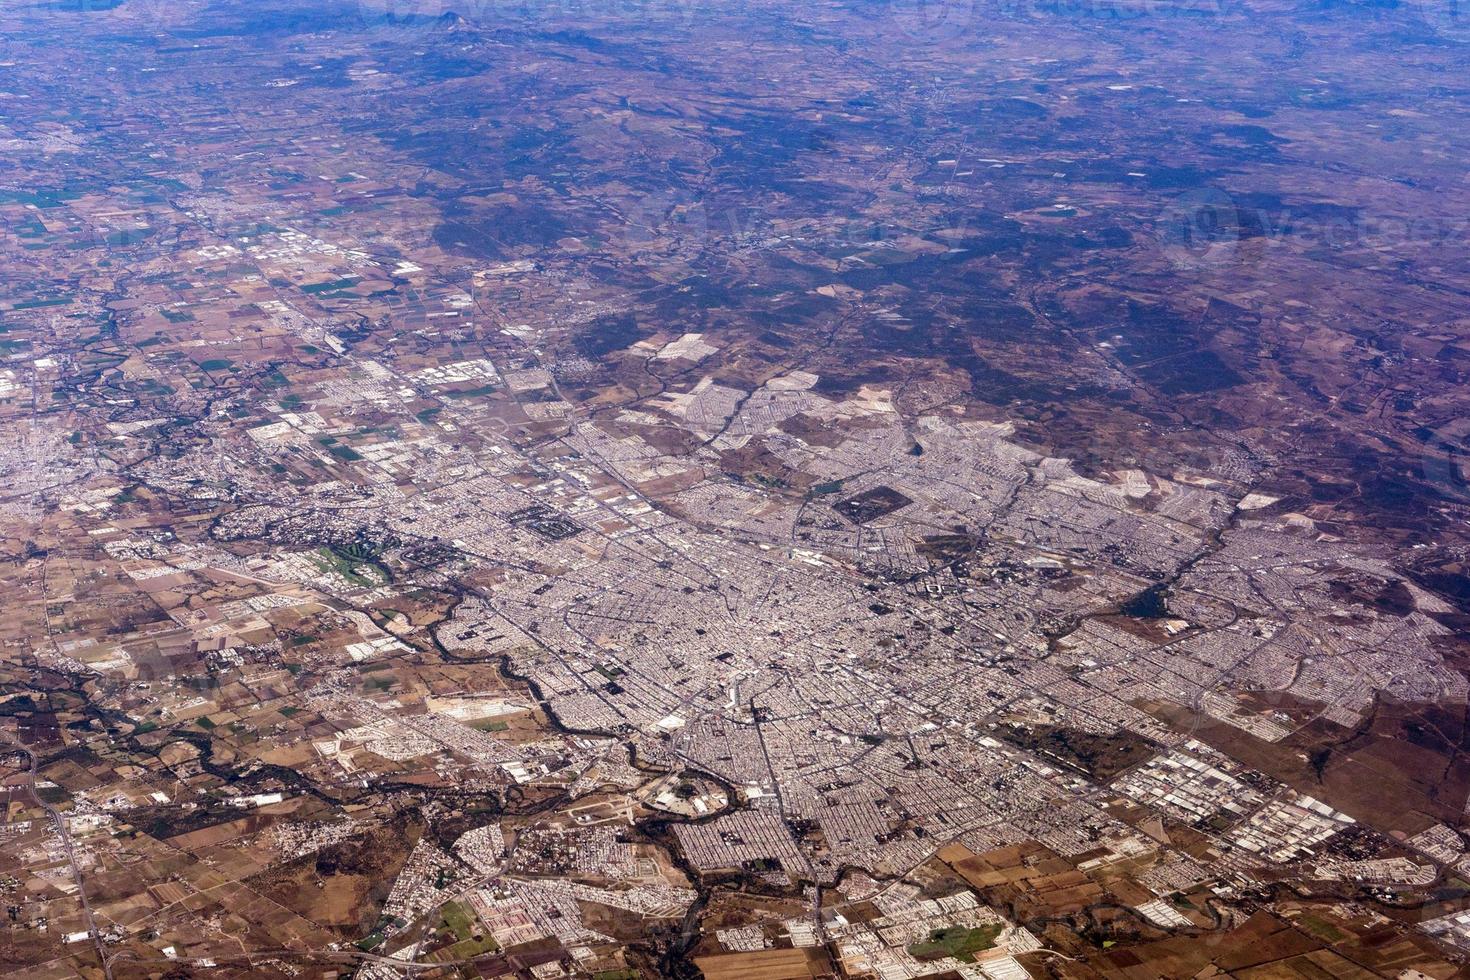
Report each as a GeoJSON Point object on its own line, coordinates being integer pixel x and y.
{"type": "Point", "coordinates": [956, 941]}
{"type": "Point", "coordinates": [329, 560]}
{"type": "Point", "coordinates": [460, 921]}
{"type": "Point", "coordinates": [470, 392]}
{"type": "Point", "coordinates": [316, 289]}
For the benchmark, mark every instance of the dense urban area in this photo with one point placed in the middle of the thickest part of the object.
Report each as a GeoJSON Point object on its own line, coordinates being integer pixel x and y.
{"type": "Point", "coordinates": [658, 488]}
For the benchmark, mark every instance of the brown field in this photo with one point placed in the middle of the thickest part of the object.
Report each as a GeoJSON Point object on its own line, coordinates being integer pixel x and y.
{"type": "Point", "coordinates": [341, 887]}
{"type": "Point", "coordinates": [1268, 948]}
{"type": "Point", "coordinates": [1028, 873]}
{"type": "Point", "coordinates": [1402, 770]}
{"type": "Point", "coordinates": [770, 964]}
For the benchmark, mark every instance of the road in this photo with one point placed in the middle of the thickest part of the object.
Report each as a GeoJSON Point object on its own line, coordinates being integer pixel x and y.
{"type": "Point", "coordinates": [59, 822]}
